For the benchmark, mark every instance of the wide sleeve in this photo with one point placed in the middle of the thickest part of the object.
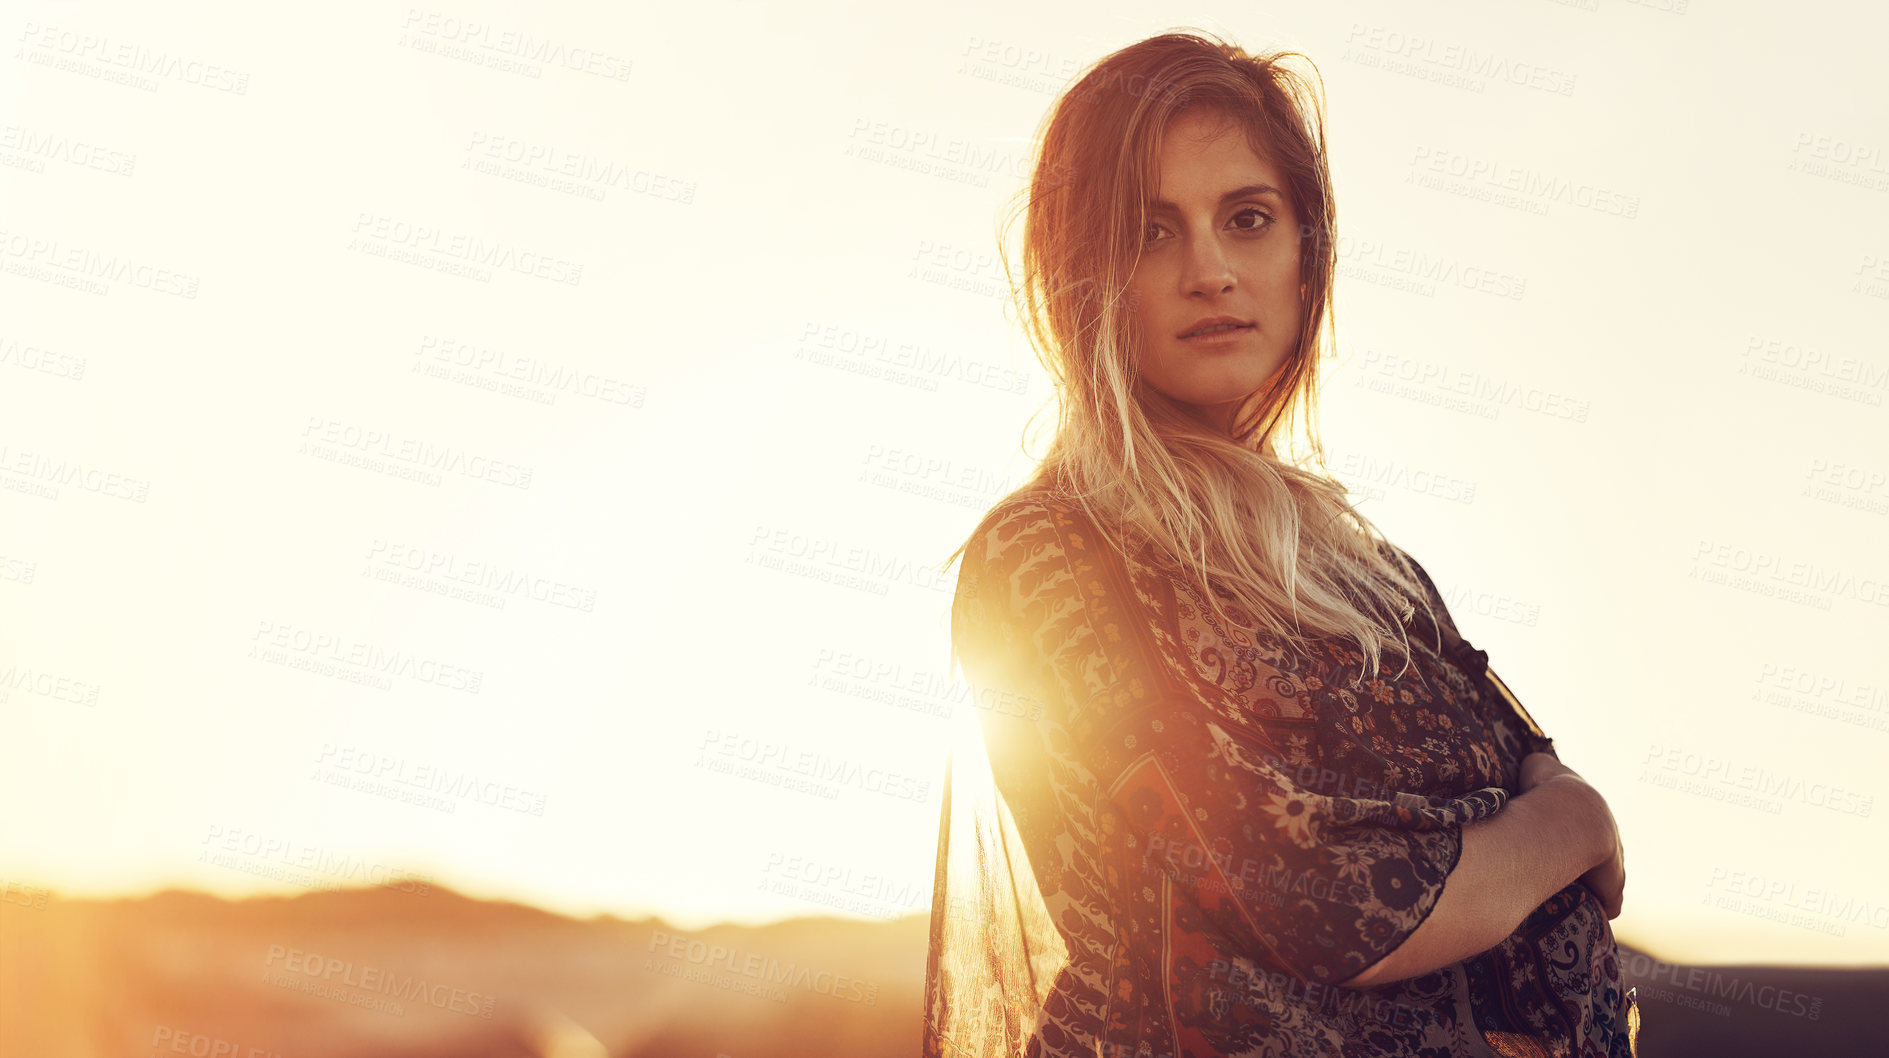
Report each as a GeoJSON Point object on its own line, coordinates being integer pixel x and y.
{"type": "Point", "coordinates": [998, 968]}
{"type": "Point", "coordinates": [1231, 854]}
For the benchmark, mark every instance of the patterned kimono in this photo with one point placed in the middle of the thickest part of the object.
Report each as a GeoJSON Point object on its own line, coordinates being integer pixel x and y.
{"type": "Point", "coordinates": [1190, 836]}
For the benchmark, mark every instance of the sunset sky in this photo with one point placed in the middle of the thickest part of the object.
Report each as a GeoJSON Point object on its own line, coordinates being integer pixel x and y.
{"type": "Point", "coordinates": [513, 447]}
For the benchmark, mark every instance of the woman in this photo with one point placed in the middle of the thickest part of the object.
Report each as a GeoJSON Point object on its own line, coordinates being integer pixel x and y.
{"type": "Point", "coordinates": [1226, 824]}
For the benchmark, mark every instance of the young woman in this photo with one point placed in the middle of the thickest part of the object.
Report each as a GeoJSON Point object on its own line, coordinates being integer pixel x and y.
{"type": "Point", "coordinates": [1253, 793]}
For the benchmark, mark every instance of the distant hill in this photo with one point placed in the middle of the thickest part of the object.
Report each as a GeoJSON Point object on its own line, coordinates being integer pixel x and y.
{"type": "Point", "coordinates": [393, 974]}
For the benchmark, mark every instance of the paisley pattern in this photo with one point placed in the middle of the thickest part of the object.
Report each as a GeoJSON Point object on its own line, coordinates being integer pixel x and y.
{"type": "Point", "coordinates": [1202, 834]}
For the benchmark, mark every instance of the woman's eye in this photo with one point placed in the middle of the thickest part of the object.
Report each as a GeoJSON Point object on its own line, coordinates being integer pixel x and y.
{"type": "Point", "coordinates": [1259, 221]}
{"type": "Point", "coordinates": [1262, 219]}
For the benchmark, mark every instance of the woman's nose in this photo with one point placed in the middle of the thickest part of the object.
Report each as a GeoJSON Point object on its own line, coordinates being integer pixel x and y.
{"type": "Point", "coordinates": [1207, 270]}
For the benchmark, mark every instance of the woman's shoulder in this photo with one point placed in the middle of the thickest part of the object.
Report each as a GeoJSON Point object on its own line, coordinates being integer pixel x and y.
{"type": "Point", "coordinates": [1037, 504]}
{"type": "Point", "coordinates": [1433, 595]}
{"type": "Point", "coordinates": [1031, 543]}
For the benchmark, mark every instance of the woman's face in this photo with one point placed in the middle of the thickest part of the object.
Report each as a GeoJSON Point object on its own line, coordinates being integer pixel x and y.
{"type": "Point", "coordinates": [1222, 242]}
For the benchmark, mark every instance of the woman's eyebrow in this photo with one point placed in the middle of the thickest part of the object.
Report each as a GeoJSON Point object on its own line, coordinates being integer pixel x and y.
{"type": "Point", "coordinates": [1239, 192]}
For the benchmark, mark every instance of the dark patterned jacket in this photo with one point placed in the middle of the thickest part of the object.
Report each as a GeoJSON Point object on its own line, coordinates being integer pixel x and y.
{"type": "Point", "coordinates": [1192, 836]}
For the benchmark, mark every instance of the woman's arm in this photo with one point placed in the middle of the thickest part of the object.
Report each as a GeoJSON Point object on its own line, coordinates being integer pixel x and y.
{"type": "Point", "coordinates": [1555, 832]}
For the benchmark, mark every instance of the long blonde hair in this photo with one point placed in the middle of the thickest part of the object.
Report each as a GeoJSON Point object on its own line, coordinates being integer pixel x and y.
{"type": "Point", "coordinates": [1224, 509]}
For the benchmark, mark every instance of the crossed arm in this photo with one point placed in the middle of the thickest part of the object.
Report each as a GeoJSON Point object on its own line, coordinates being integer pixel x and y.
{"type": "Point", "coordinates": [1558, 830]}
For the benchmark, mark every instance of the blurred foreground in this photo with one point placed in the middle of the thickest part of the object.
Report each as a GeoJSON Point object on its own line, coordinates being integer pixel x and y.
{"type": "Point", "coordinates": [416, 972]}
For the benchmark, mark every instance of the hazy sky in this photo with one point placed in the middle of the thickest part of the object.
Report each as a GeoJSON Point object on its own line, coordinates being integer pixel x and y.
{"type": "Point", "coordinates": [485, 441]}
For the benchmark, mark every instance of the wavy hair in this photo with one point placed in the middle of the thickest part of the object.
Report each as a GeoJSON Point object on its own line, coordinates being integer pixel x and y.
{"type": "Point", "coordinates": [1274, 537]}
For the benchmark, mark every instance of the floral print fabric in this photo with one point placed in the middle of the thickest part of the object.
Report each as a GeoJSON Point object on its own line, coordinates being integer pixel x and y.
{"type": "Point", "coordinates": [1207, 834]}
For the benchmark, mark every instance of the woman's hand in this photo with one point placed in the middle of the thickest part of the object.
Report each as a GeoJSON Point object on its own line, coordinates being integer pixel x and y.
{"type": "Point", "coordinates": [1607, 879]}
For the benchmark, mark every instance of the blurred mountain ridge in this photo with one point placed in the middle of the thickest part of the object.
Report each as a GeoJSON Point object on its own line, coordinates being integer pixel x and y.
{"type": "Point", "coordinates": [422, 971]}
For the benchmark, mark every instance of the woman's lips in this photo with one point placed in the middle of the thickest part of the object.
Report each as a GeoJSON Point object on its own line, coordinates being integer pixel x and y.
{"type": "Point", "coordinates": [1220, 335]}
